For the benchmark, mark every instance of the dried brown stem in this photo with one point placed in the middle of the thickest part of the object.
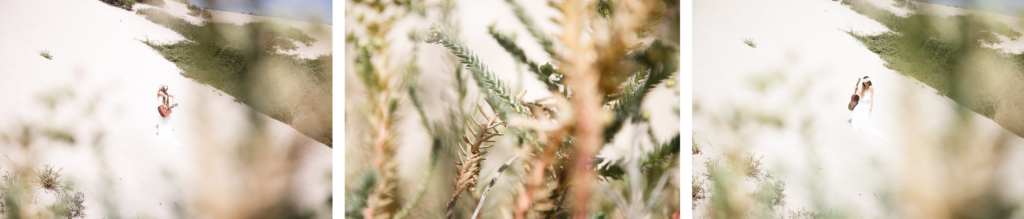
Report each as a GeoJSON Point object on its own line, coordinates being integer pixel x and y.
{"type": "Point", "coordinates": [587, 78]}
{"type": "Point", "coordinates": [583, 78]}
{"type": "Point", "coordinates": [469, 168]}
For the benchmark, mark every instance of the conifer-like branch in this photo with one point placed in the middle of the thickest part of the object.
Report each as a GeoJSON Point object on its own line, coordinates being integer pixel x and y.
{"type": "Point", "coordinates": [657, 68]}
{"type": "Point", "coordinates": [472, 154]}
{"type": "Point", "coordinates": [510, 46]}
{"type": "Point", "coordinates": [499, 95]}
{"type": "Point", "coordinates": [357, 197]}
{"type": "Point", "coordinates": [530, 26]}
{"type": "Point", "coordinates": [652, 159]}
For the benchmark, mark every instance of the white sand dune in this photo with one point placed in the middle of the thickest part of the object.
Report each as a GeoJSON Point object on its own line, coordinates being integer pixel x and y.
{"type": "Point", "coordinates": [811, 66]}
{"type": "Point", "coordinates": [111, 79]}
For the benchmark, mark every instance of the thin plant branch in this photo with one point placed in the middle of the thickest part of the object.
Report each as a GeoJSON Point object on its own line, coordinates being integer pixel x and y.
{"type": "Point", "coordinates": [499, 96]}
{"type": "Point", "coordinates": [530, 26]}
{"type": "Point", "coordinates": [510, 46]}
{"type": "Point", "coordinates": [491, 184]}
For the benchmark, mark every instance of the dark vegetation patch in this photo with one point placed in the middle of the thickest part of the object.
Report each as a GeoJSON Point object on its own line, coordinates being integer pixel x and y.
{"type": "Point", "coordinates": [915, 48]}
{"type": "Point", "coordinates": [157, 3]}
{"type": "Point", "coordinates": [246, 62]}
{"type": "Point", "coordinates": [197, 11]}
{"type": "Point", "coordinates": [126, 4]}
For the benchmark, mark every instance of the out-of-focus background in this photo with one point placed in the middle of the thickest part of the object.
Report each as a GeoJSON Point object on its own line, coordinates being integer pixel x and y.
{"type": "Point", "coordinates": [773, 137]}
{"type": "Point", "coordinates": [78, 129]}
{"type": "Point", "coordinates": [398, 32]}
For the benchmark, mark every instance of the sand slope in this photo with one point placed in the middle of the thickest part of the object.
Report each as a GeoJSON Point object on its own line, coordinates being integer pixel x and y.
{"type": "Point", "coordinates": [808, 66]}
{"type": "Point", "coordinates": [112, 80]}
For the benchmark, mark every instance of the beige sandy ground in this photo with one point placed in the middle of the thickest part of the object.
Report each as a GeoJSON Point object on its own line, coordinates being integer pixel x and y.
{"type": "Point", "coordinates": [112, 78]}
{"type": "Point", "coordinates": [811, 66]}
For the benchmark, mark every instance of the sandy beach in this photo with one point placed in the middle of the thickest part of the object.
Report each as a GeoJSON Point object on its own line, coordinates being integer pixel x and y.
{"type": "Point", "coordinates": [102, 84]}
{"type": "Point", "coordinates": [787, 98]}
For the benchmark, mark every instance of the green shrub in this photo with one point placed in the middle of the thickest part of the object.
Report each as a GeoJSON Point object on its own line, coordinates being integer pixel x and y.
{"type": "Point", "coordinates": [769, 190]}
{"type": "Point", "coordinates": [157, 3]}
{"type": "Point", "coordinates": [197, 11]}
{"type": "Point", "coordinates": [69, 204]}
{"type": "Point", "coordinates": [126, 4]}
{"type": "Point", "coordinates": [907, 4]}
{"type": "Point", "coordinates": [750, 42]}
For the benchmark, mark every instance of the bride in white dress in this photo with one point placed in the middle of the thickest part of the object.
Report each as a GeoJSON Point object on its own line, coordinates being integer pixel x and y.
{"type": "Point", "coordinates": [861, 116]}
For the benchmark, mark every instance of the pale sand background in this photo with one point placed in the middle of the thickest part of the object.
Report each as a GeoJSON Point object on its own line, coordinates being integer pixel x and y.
{"type": "Point", "coordinates": [113, 77]}
{"type": "Point", "coordinates": [802, 45]}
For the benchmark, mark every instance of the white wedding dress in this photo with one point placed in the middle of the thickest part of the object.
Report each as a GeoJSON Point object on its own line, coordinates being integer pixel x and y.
{"type": "Point", "coordinates": [861, 116]}
{"type": "Point", "coordinates": [164, 129]}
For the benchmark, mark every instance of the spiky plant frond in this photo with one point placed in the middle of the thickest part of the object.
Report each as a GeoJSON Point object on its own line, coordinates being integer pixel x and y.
{"type": "Point", "coordinates": [356, 199]}
{"type": "Point", "coordinates": [530, 26]}
{"type": "Point", "coordinates": [472, 154]}
{"type": "Point", "coordinates": [488, 81]}
{"type": "Point", "coordinates": [657, 64]}
{"type": "Point", "coordinates": [651, 160]}
{"type": "Point", "coordinates": [509, 44]}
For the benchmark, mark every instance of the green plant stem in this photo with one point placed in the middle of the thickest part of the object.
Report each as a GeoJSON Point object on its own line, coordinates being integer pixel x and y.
{"type": "Point", "coordinates": [498, 95]}
{"type": "Point", "coordinates": [530, 26]}
{"type": "Point", "coordinates": [421, 187]}
{"type": "Point", "coordinates": [510, 46]}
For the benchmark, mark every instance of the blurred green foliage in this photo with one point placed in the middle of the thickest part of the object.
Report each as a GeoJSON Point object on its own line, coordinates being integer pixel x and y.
{"type": "Point", "coordinates": [915, 47]}
{"type": "Point", "coordinates": [218, 55]}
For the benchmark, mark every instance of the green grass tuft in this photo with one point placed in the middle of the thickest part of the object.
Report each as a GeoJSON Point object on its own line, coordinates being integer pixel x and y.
{"type": "Point", "coordinates": [46, 54]}
{"type": "Point", "coordinates": [697, 189]}
{"type": "Point", "coordinates": [752, 165]}
{"type": "Point", "coordinates": [696, 148]}
{"type": "Point", "coordinates": [49, 179]}
{"type": "Point", "coordinates": [769, 190]}
{"type": "Point", "coordinates": [749, 42]}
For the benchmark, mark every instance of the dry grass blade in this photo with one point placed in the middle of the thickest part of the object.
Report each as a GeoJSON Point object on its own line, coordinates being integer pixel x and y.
{"type": "Point", "coordinates": [494, 180]}
{"type": "Point", "coordinates": [471, 154]}
{"type": "Point", "coordinates": [48, 178]}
